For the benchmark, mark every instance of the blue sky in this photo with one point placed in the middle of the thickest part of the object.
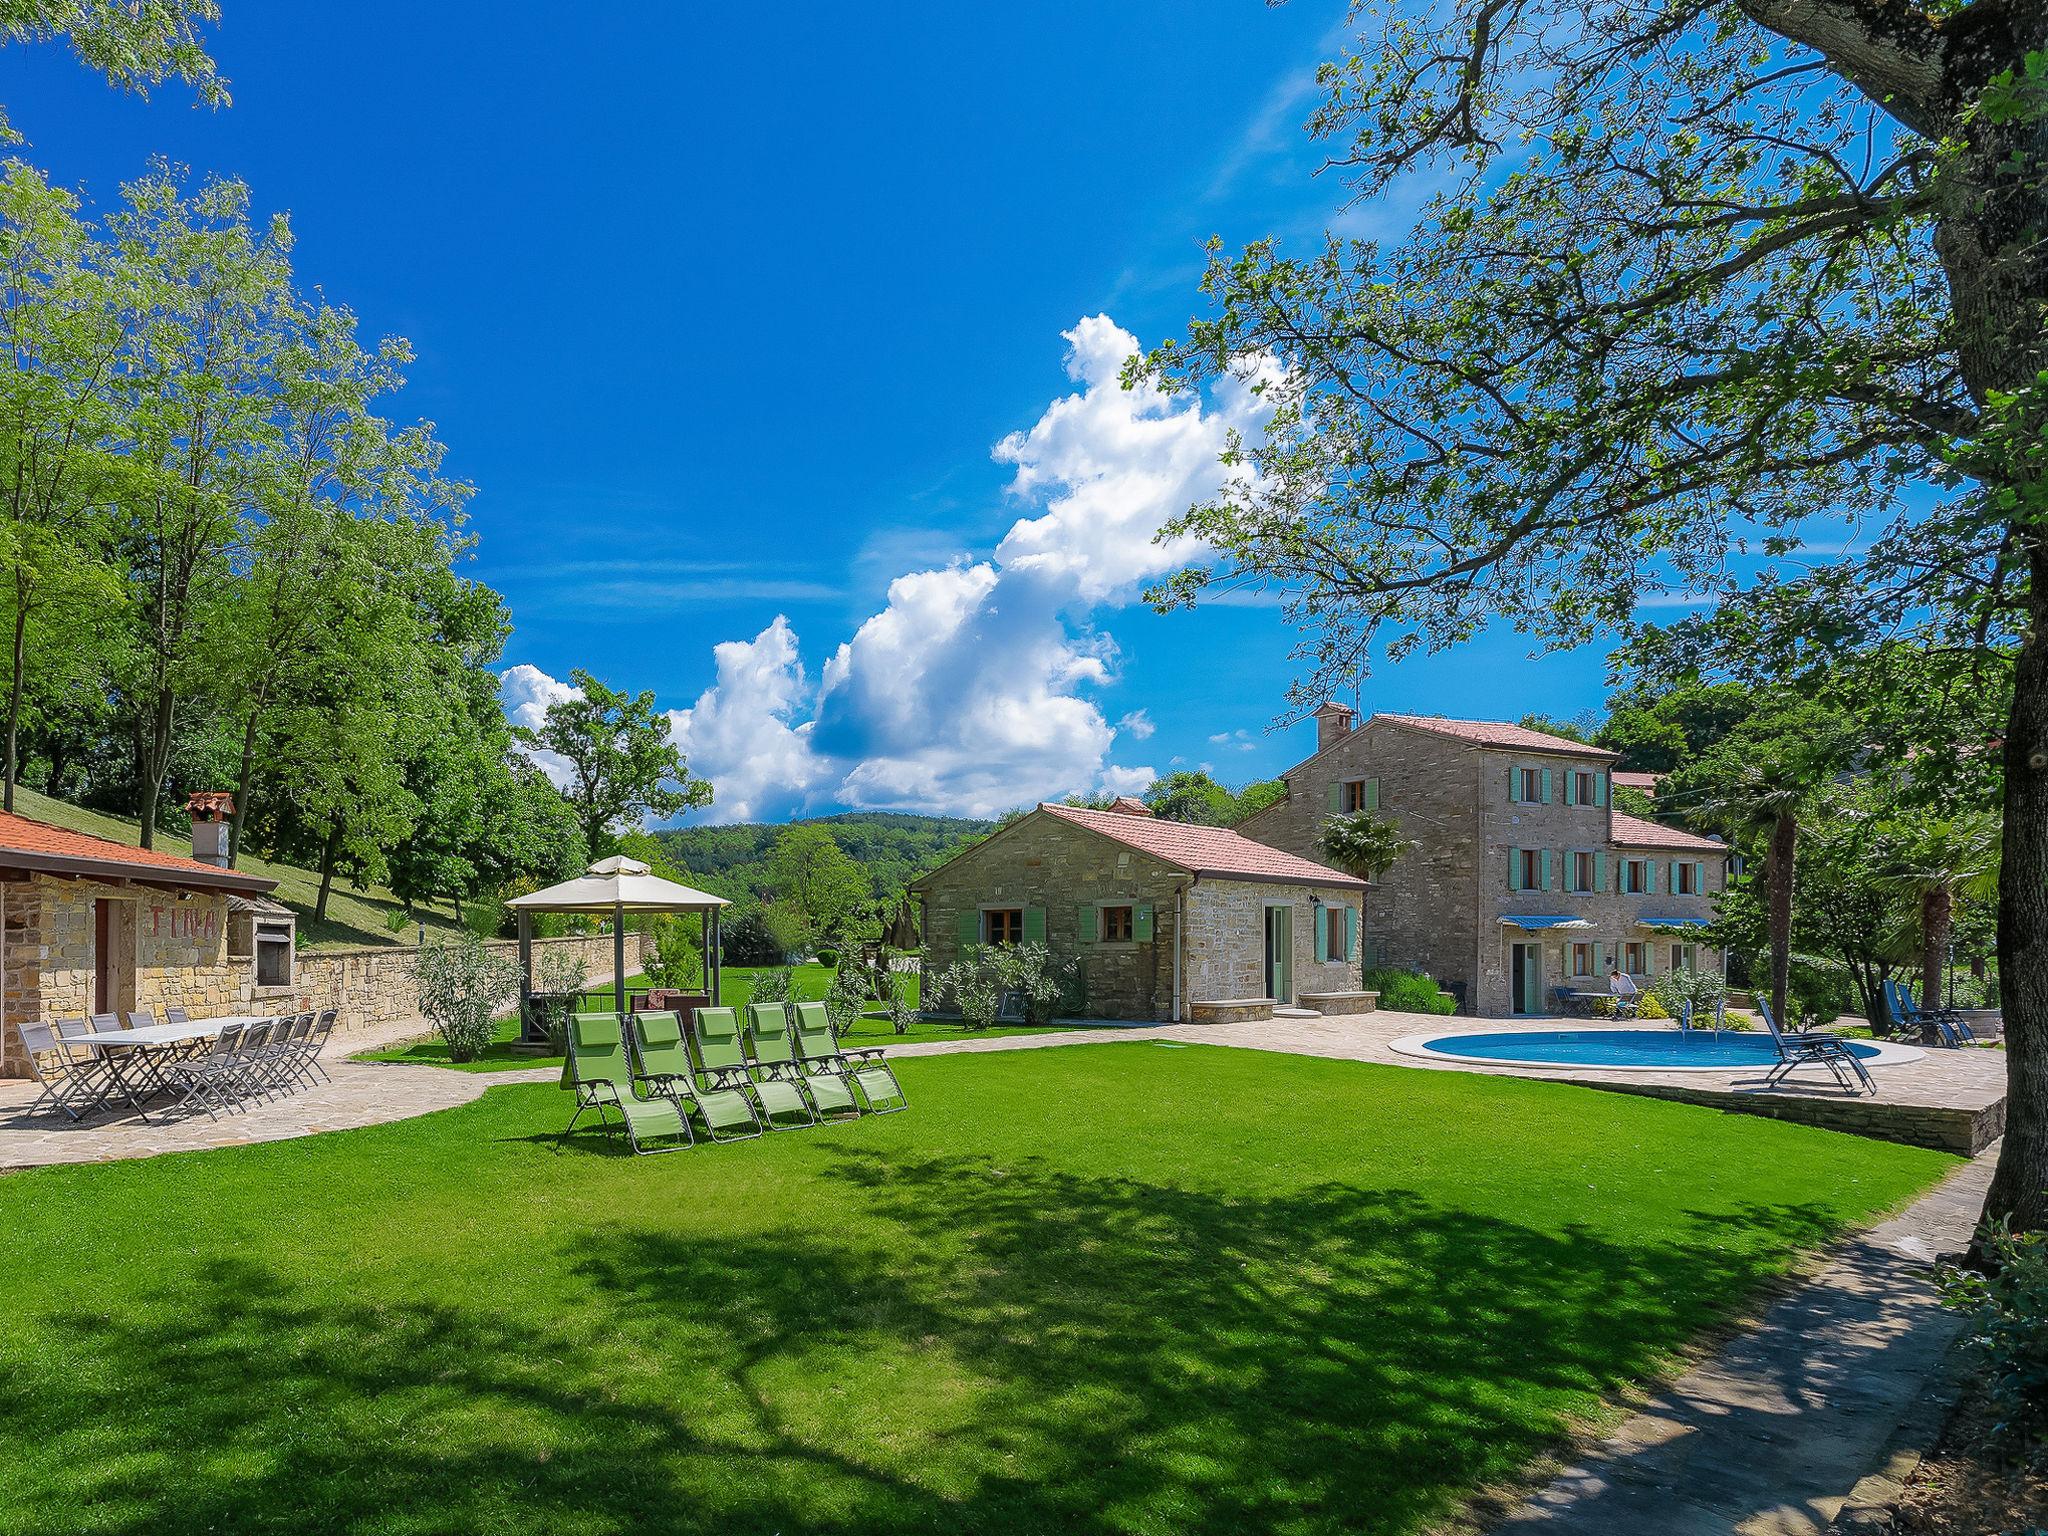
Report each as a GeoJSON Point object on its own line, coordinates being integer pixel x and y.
{"type": "Point", "coordinates": [726, 311]}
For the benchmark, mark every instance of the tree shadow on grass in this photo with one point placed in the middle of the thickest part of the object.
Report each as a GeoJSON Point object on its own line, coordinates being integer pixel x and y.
{"type": "Point", "coordinates": [1008, 1348]}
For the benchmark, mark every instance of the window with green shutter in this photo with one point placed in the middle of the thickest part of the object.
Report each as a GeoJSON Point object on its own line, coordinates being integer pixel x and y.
{"type": "Point", "coordinates": [1351, 933]}
{"type": "Point", "coordinates": [1117, 923]}
{"type": "Point", "coordinates": [1546, 870]}
{"type": "Point", "coordinates": [1322, 932]}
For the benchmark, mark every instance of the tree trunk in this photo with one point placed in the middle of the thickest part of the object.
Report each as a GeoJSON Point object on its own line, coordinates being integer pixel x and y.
{"type": "Point", "coordinates": [14, 699]}
{"type": "Point", "coordinates": [156, 759]}
{"type": "Point", "coordinates": [1783, 851]}
{"type": "Point", "coordinates": [1937, 910]}
{"type": "Point", "coordinates": [328, 853]}
{"type": "Point", "coordinates": [243, 786]}
{"type": "Point", "coordinates": [2019, 1189]}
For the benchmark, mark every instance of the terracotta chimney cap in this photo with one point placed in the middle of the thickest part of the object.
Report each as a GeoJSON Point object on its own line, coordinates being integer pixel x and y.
{"type": "Point", "coordinates": [211, 805]}
{"type": "Point", "coordinates": [1127, 805]}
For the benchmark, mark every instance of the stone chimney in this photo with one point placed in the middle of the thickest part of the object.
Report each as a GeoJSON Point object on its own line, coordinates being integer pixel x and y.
{"type": "Point", "coordinates": [1333, 723]}
{"type": "Point", "coordinates": [211, 810]}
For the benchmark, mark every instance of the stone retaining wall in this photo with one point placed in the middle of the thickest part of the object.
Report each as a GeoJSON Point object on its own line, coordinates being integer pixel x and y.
{"type": "Point", "coordinates": [1231, 1010]}
{"type": "Point", "coordinates": [1336, 1004]}
{"type": "Point", "coordinates": [1964, 1131]}
{"type": "Point", "coordinates": [374, 986]}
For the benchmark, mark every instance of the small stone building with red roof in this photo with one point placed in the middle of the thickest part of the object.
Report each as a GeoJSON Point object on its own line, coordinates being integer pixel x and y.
{"type": "Point", "coordinates": [1521, 883]}
{"type": "Point", "coordinates": [89, 925]}
{"type": "Point", "coordinates": [1164, 921]}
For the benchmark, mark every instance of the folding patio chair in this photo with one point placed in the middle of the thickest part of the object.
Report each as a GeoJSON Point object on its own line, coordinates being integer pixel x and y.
{"type": "Point", "coordinates": [1801, 1050]}
{"type": "Point", "coordinates": [323, 1031]}
{"type": "Point", "coordinates": [821, 1065]}
{"type": "Point", "coordinates": [66, 1080]}
{"type": "Point", "coordinates": [1934, 1026]}
{"type": "Point", "coordinates": [207, 1080]}
{"type": "Point", "coordinates": [718, 1058]}
{"type": "Point", "coordinates": [864, 1068]}
{"type": "Point", "coordinates": [663, 1063]}
{"type": "Point", "coordinates": [597, 1069]}
{"type": "Point", "coordinates": [777, 1081]}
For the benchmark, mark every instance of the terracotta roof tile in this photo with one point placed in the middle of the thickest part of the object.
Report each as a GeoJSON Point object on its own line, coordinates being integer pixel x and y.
{"type": "Point", "coordinates": [1497, 733]}
{"type": "Point", "coordinates": [40, 840]}
{"type": "Point", "coordinates": [1634, 832]}
{"type": "Point", "coordinates": [1214, 851]}
{"type": "Point", "coordinates": [1646, 782]}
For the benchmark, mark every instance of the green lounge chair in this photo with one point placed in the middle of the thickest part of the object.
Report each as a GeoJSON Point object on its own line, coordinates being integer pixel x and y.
{"type": "Point", "coordinates": [863, 1069]}
{"type": "Point", "coordinates": [602, 1077]}
{"type": "Point", "coordinates": [778, 1081]}
{"type": "Point", "coordinates": [721, 1057]}
{"type": "Point", "coordinates": [727, 1113]}
{"type": "Point", "coordinates": [822, 1064]}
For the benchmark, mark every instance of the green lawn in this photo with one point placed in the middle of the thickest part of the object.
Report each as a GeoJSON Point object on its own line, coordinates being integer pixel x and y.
{"type": "Point", "coordinates": [1121, 1288]}
{"type": "Point", "coordinates": [736, 986]}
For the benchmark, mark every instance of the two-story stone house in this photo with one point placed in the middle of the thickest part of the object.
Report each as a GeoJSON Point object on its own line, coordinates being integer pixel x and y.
{"type": "Point", "coordinates": [1522, 881]}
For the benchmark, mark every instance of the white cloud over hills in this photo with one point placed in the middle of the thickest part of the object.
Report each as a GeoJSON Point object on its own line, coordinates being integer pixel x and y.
{"type": "Point", "coordinates": [972, 690]}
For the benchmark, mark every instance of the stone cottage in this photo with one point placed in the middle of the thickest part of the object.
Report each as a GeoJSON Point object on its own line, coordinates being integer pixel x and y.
{"type": "Point", "coordinates": [1166, 921]}
{"type": "Point", "coordinates": [88, 925]}
{"type": "Point", "coordinates": [1521, 883]}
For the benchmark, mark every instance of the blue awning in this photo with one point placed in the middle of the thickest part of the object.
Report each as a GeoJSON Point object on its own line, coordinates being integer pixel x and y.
{"type": "Point", "coordinates": [1538, 924]}
{"type": "Point", "coordinates": [1672, 922]}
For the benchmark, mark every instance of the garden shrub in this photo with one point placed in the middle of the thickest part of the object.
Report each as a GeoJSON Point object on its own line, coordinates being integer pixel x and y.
{"type": "Point", "coordinates": [560, 976]}
{"type": "Point", "coordinates": [1704, 991]}
{"type": "Point", "coordinates": [1408, 992]}
{"type": "Point", "coordinates": [1650, 1008]}
{"type": "Point", "coordinates": [845, 998]}
{"type": "Point", "coordinates": [2005, 1320]}
{"type": "Point", "coordinates": [902, 996]}
{"type": "Point", "coordinates": [462, 985]}
{"type": "Point", "coordinates": [777, 984]}
{"type": "Point", "coordinates": [828, 957]}
{"type": "Point", "coordinates": [978, 980]}
{"type": "Point", "coordinates": [677, 960]}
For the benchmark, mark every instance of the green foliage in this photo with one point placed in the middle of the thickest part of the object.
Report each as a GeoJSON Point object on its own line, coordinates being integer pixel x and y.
{"type": "Point", "coordinates": [846, 998]}
{"type": "Point", "coordinates": [891, 848]}
{"type": "Point", "coordinates": [623, 764]}
{"type": "Point", "coordinates": [1698, 992]}
{"type": "Point", "coordinates": [902, 995]}
{"type": "Point", "coordinates": [1190, 795]}
{"type": "Point", "coordinates": [774, 984]}
{"type": "Point", "coordinates": [1408, 992]}
{"type": "Point", "coordinates": [2005, 1320]}
{"type": "Point", "coordinates": [978, 979]}
{"type": "Point", "coordinates": [462, 985]}
{"type": "Point", "coordinates": [1362, 843]}
{"type": "Point", "coordinates": [811, 879]}
{"type": "Point", "coordinates": [136, 46]}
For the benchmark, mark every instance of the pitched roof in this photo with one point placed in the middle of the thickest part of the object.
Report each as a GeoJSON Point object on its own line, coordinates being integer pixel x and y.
{"type": "Point", "coordinates": [1646, 782]}
{"type": "Point", "coordinates": [1215, 851]}
{"type": "Point", "coordinates": [1634, 832]}
{"type": "Point", "coordinates": [36, 845]}
{"type": "Point", "coordinates": [1498, 733]}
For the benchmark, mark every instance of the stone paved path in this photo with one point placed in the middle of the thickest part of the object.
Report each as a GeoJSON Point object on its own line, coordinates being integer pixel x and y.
{"type": "Point", "coordinates": [1769, 1437]}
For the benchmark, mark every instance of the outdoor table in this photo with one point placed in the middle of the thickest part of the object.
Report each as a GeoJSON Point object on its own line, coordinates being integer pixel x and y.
{"type": "Point", "coordinates": [127, 1053]}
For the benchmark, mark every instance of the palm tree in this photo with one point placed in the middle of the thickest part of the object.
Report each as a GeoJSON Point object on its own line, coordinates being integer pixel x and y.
{"type": "Point", "coordinates": [1764, 800]}
{"type": "Point", "coordinates": [1366, 845]}
{"type": "Point", "coordinates": [1934, 862]}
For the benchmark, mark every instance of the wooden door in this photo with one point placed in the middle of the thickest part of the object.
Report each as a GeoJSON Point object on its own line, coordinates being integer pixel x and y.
{"type": "Point", "coordinates": [1280, 954]}
{"type": "Point", "coordinates": [102, 957]}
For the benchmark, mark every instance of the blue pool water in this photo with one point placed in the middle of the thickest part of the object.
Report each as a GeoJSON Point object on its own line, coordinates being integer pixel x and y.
{"type": "Point", "coordinates": [1622, 1048]}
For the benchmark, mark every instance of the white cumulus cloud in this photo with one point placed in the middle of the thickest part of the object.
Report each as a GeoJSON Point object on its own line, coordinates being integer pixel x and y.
{"type": "Point", "coordinates": [971, 690]}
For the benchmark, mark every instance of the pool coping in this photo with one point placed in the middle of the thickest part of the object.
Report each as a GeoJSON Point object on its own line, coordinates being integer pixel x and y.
{"type": "Point", "coordinates": [1887, 1054]}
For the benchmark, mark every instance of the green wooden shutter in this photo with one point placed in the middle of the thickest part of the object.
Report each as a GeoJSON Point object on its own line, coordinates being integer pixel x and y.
{"type": "Point", "coordinates": [1141, 922]}
{"type": "Point", "coordinates": [1546, 871]}
{"type": "Point", "coordinates": [1514, 869]}
{"type": "Point", "coordinates": [1336, 798]}
{"type": "Point", "coordinates": [1546, 786]}
{"type": "Point", "coordinates": [1351, 933]}
{"type": "Point", "coordinates": [1084, 917]}
{"type": "Point", "coordinates": [1601, 792]}
{"type": "Point", "coordinates": [1514, 786]}
{"type": "Point", "coordinates": [1372, 794]}
{"type": "Point", "coordinates": [1322, 932]}
{"type": "Point", "coordinates": [970, 928]}
{"type": "Point", "coordinates": [1034, 925]}
{"type": "Point", "coordinates": [1599, 871]}
{"type": "Point", "coordinates": [1674, 875]}
{"type": "Point", "coordinates": [1571, 781]}
{"type": "Point", "coordinates": [1699, 877]}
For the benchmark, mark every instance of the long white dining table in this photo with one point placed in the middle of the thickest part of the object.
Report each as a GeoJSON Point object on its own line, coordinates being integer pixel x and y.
{"type": "Point", "coordinates": [124, 1066]}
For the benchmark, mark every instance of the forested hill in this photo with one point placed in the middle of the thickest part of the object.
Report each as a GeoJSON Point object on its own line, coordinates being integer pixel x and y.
{"type": "Point", "coordinates": [891, 847]}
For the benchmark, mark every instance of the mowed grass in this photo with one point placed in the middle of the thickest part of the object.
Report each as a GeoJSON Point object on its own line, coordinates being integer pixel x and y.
{"type": "Point", "coordinates": [735, 990]}
{"type": "Point", "coordinates": [1116, 1288]}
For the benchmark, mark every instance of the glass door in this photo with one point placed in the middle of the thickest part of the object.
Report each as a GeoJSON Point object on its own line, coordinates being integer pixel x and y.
{"type": "Point", "coordinates": [1280, 954]}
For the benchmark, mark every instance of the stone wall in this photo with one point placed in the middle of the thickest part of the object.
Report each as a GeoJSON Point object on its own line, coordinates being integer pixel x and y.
{"type": "Point", "coordinates": [1057, 867]}
{"type": "Point", "coordinates": [1418, 916]}
{"type": "Point", "coordinates": [1439, 908]}
{"type": "Point", "coordinates": [1226, 951]}
{"type": "Point", "coordinates": [1963, 1131]}
{"type": "Point", "coordinates": [373, 986]}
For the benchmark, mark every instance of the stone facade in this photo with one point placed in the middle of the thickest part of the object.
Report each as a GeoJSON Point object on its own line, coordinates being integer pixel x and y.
{"type": "Point", "coordinates": [1057, 873]}
{"type": "Point", "coordinates": [171, 950]}
{"type": "Point", "coordinates": [1440, 909]}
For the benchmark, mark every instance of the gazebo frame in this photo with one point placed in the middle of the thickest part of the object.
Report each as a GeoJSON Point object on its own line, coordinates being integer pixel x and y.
{"type": "Point", "coordinates": [617, 888]}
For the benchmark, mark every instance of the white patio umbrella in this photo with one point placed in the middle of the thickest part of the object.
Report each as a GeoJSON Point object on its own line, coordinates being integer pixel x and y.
{"type": "Point", "coordinates": [615, 886]}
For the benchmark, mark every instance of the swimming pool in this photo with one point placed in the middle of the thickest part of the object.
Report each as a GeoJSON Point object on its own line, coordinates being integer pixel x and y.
{"type": "Point", "coordinates": [1659, 1050]}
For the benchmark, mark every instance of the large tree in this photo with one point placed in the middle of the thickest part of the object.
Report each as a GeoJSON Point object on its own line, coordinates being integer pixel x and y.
{"type": "Point", "coordinates": [136, 44]}
{"type": "Point", "coordinates": [1701, 277]}
{"type": "Point", "coordinates": [622, 764]}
